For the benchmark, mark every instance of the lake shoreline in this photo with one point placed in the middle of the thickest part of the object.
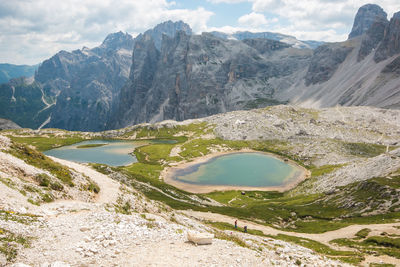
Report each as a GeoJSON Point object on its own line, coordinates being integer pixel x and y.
{"type": "Point", "coordinates": [166, 175]}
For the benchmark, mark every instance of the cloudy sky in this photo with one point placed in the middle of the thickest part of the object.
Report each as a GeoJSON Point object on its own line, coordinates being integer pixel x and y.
{"type": "Point", "coordinates": [33, 30]}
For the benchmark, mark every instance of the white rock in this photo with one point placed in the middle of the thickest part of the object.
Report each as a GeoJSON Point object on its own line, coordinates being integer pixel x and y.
{"type": "Point", "coordinates": [19, 264]}
{"type": "Point", "coordinates": [59, 264]}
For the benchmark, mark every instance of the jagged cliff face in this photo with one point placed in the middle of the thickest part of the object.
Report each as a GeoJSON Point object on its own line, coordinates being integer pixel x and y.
{"type": "Point", "coordinates": [195, 76]}
{"type": "Point", "coordinates": [199, 75]}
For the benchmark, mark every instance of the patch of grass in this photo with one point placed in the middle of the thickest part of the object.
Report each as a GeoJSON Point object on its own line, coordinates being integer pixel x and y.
{"type": "Point", "coordinates": [377, 245]}
{"type": "Point", "coordinates": [178, 132]}
{"type": "Point", "coordinates": [384, 241]}
{"type": "Point", "coordinates": [90, 145]}
{"type": "Point", "coordinates": [151, 171]}
{"type": "Point", "coordinates": [45, 143]}
{"type": "Point", "coordinates": [93, 187]}
{"type": "Point", "coordinates": [23, 218]}
{"type": "Point", "coordinates": [364, 149]}
{"type": "Point", "coordinates": [154, 153]}
{"type": "Point", "coordinates": [47, 198]}
{"type": "Point", "coordinates": [231, 238]}
{"type": "Point", "coordinates": [10, 242]}
{"type": "Point", "coordinates": [43, 179]}
{"type": "Point", "coordinates": [363, 233]}
{"type": "Point", "coordinates": [39, 160]}
{"type": "Point", "coordinates": [322, 170]}
{"type": "Point", "coordinates": [315, 246]}
{"type": "Point", "coordinates": [231, 227]}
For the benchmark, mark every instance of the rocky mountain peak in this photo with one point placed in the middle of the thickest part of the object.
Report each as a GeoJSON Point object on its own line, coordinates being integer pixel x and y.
{"type": "Point", "coordinates": [118, 40]}
{"type": "Point", "coordinates": [168, 28]}
{"type": "Point", "coordinates": [365, 17]}
{"type": "Point", "coordinates": [390, 44]}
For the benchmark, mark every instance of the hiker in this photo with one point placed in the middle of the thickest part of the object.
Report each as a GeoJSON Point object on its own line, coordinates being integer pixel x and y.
{"type": "Point", "coordinates": [236, 224]}
{"type": "Point", "coordinates": [245, 228]}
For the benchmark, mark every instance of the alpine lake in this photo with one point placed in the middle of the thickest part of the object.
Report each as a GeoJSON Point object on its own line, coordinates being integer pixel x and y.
{"type": "Point", "coordinates": [244, 170]}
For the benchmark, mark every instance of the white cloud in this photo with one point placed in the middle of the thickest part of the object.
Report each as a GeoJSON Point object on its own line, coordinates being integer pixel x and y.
{"type": "Point", "coordinates": [227, 1]}
{"type": "Point", "coordinates": [325, 20]}
{"type": "Point", "coordinates": [32, 31]}
{"type": "Point", "coordinates": [253, 19]}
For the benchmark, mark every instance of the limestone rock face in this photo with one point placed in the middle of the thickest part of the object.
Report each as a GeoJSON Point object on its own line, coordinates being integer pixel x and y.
{"type": "Point", "coordinates": [199, 75]}
{"type": "Point", "coordinates": [390, 44]}
{"type": "Point", "coordinates": [324, 63]}
{"type": "Point", "coordinates": [373, 37]}
{"type": "Point", "coordinates": [365, 17]}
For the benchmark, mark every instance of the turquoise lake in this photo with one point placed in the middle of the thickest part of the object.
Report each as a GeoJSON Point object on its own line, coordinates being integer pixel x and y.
{"type": "Point", "coordinates": [239, 169]}
{"type": "Point", "coordinates": [113, 153]}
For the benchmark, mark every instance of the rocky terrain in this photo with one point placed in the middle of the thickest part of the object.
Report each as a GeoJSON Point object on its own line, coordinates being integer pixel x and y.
{"type": "Point", "coordinates": [116, 226]}
{"type": "Point", "coordinates": [112, 217]}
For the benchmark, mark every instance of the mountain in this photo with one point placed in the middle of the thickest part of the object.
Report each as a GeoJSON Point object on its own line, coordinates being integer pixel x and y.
{"type": "Point", "coordinates": [291, 40]}
{"type": "Point", "coordinates": [368, 75]}
{"type": "Point", "coordinates": [83, 83]}
{"type": "Point", "coordinates": [199, 75]}
{"type": "Point", "coordinates": [78, 89]}
{"type": "Point", "coordinates": [23, 101]}
{"type": "Point", "coordinates": [365, 17]}
{"type": "Point", "coordinates": [9, 71]}
{"type": "Point", "coordinates": [170, 73]}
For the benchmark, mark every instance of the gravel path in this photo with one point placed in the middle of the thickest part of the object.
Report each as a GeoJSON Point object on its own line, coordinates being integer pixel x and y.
{"type": "Point", "coordinates": [109, 189]}
{"type": "Point", "coordinates": [324, 238]}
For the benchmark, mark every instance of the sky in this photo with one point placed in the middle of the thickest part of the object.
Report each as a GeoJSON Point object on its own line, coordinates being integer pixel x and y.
{"type": "Point", "coordinates": [34, 30]}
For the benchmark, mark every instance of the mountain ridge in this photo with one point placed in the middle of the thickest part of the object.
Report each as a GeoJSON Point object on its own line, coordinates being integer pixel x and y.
{"type": "Point", "coordinates": [175, 74]}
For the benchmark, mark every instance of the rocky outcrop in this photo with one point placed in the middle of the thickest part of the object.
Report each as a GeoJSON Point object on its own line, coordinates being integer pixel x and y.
{"type": "Point", "coordinates": [365, 17]}
{"type": "Point", "coordinates": [168, 28]}
{"type": "Point", "coordinates": [7, 125]}
{"type": "Point", "coordinates": [390, 44]}
{"type": "Point", "coordinates": [324, 63]}
{"type": "Point", "coordinates": [373, 37]}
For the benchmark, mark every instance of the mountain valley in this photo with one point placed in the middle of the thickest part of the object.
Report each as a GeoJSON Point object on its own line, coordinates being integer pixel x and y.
{"type": "Point", "coordinates": [179, 100]}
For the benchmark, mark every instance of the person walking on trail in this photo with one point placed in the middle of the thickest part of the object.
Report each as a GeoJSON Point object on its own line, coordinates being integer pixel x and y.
{"type": "Point", "coordinates": [235, 224]}
{"type": "Point", "coordinates": [245, 228]}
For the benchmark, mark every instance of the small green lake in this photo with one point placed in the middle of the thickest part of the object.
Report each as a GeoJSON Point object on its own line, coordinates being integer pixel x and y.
{"type": "Point", "coordinates": [110, 152]}
{"type": "Point", "coordinates": [250, 169]}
